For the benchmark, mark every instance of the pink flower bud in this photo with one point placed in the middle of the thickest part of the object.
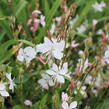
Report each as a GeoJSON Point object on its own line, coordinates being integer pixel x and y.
{"type": "Point", "coordinates": [94, 23]}
{"type": "Point", "coordinates": [29, 22]}
{"type": "Point", "coordinates": [74, 44]}
{"type": "Point", "coordinates": [36, 12]}
{"type": "Point", "coordinates": [64, 96]}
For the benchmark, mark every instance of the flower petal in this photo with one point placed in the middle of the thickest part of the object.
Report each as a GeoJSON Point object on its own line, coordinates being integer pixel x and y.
{"type": "Point", "coordinates": [65, 105]}
{"type": "Point", "coordinates": [60, 79]}
{"type": "Point", "coordinates": [73, 105]}
{"type": "Point", "coordinates": [4, 93]}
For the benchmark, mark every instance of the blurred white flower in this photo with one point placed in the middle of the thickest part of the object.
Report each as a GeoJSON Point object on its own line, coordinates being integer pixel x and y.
{"type": "Point", "coordinates": [3, 91]}
{"type": "Point", "coordinates": [59, 73]}
{"type": "Point", "coordinates": [64, 97]}
{"type": "Point", "coordinates": [52, 28]}
{"type": "Point", "coordinates": [100, 32]}
{"type": "Point", "coordinates": [98, 7]}
{"type": "Point", "coordinates": [51, 48]}
{"type": "Point", "coordinates": [11, 82]}
{"type": "Point", "coordinates": [72, 105]}
{"type": "Point", "coordinates": [42, 20]}
{"type": "Point", "coordinates": [46, 81]}
{"type": "Point", "coordinates": [26, 54]}
{"type": "Point", "coordinates": [81, 88]}
{"type": "Point", "coordinates": [28, 103]}
{"type": "Point", "coordinates": [88, 79]}
{"type": "Point", "coordinates": [74, 44]}
{"type": "Point", "coordinates": [106, 55]}
{"type": "Point", "coordinates": [98, 82]}
{"type": "Point", "coordinates": [94, 22]}
{"type": "Point", "coordinates": [82, 28]}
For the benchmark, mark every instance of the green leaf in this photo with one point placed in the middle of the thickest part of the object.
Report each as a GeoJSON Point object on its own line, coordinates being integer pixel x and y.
{"type": "Point", "coordinates": [18, 107]}
{"type": "Point", "coordinates": [43, 102]}
{"type": "Point", "coordinates": [103, 105]}
{"type": "Point", "coordinates": [18, 9]}
{"type": "Point", "coordinates": [84, 12]}
{"type": "Point", "coordinates": [49, 17]}
{"type": "Point", "coordinates": [27, 42]}
{"type": "Point", "coordinates": [46, 7]}
{"type": "Point", "coordinates": [7, 28]}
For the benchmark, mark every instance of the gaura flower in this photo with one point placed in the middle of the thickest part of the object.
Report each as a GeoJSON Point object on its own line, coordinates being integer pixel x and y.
{"type": "Point", "coordinates": [64, 97]}
{"type": "Point", "coordinates": [53, 27]}
{"type": "Point", "coordinates": [59, 73]}
{"type": "Point", "coordinates": [26, 54]}
{"type": "Point", "coordinates": [28, 103]}
{"type": "Point", "coordinates": [35, 25]}
{"type": "Point", "coordinates": [42, 20]}
{"type": "Point", "coordinates": [82, 28]}
{"type": "Point", "coordinates": [106, 55]}
{"type": "Point", "coordinates": [94, 22]}
{"type": "Point", "coordinates": [11, 82]}
{"type": "Point", "coordinates": [3, 91]}
{"type": "Point", "coordinates": [73, 105]}
{"type": "Point", "coordinates": [36, 12]}
{"type": "Point", "coordinates": [74, 44]}
{"type": "Point", "coordinates": [46, 81]}
{"type": "Point", "coordinates": [51, 48]}
{"type": "Point", "coordinates": [98, 7]}
{"type": "Point", "coordinates": [82, 89]}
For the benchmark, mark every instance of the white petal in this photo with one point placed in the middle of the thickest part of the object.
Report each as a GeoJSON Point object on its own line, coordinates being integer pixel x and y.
{"type": "Point", "coordinates": [59, 45]}
{"type": "Point", "coordinates": [21, 51]}
{"type": "Point", "coordinates": [4, 93]}
{"type": "Point", "coordinates": [20, 58]}
{"type": "Point", "coordinates": [60, 79]}
{"type": "Point", "coordinates": [45, 47]}
{"type": "Point", "coordinates": [73, 105]}
{"type": "Point", "coordinates": [8, 75]}
{"type": "Point", "coordinates": [50, 72]}
{"type": "Point", "coordinates": [57, 54]}
{"type": "Point", "coordinates": [30, 52]}
{"type": "Point", "coordinates": [45, 76]}
{"type": "Point", "coordinates": [51, 83]}
{"type": "Point", "coordinates": [55, 67]}
{"type": "Point", "coordinates": [65, 105]}
{"type": "Point", "coordinates": [2, 86]}
{"type": "Point", "coordinates": [43, 83]}
{"type": "Point", "coordinates": [12, 85]}
{"type": "Point", "coordinates": [52, 28]}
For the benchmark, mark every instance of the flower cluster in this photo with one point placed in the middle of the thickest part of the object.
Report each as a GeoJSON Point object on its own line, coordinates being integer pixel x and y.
{"type": "Point", "coordinates": [4, 85]}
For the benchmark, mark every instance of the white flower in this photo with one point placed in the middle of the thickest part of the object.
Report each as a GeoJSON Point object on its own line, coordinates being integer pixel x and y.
{"type": "Point", "coordinates": [52, 28]}
{"type": "Point", "coordinates": [73, 105]}
{"type": "Point", "coordinates": [46, 81]}
{"type": "Point", "coordinates": [82, 28]}
{"type": "Point", "coordinates": [42, 20]}
{"type": "Point", "coordinates": [98, 82]}
{"type": "Point", "coordinates": [59, 73]}
{"type": "Point", "coordinates": [88, 79]}
{"type": "Point", "coordinates": [99, 32]}
{"type": "Point", "coordinates": [106, 55]}
{"type": "Point", "coordinates": [65, 97]}
{"type": "Point", "coordinates": [82, 89]}
{"type": "Point", "coordinates": [11, 82]}
{"type": "Point", "coordinates": [28, 103]}
{"type": "Point", "coordinates": [26, 54]}
{"type": "Point", "coordinates": [98, 7]}
{"type": "Point", "coordinates": [51, 48]}
{"type": "Point", "coordinates": [3, 91]}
